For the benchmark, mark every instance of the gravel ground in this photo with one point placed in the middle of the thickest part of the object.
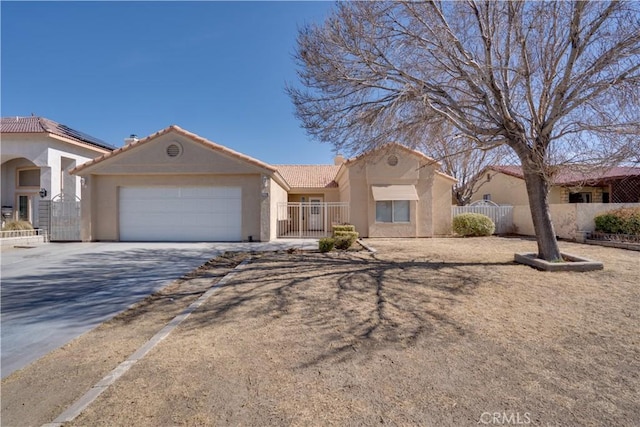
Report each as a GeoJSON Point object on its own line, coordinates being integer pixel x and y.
{"type": "Point", "coordinates": [423, 332]}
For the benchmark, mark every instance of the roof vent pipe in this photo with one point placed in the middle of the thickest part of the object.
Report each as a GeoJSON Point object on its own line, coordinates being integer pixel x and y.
{"type": "Point", "coordinates": [132, 138]}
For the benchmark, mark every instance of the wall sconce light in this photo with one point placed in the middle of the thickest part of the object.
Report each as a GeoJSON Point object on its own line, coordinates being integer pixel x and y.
{"type": "Point", "coordinates": [83, 181]}
{"type": "Point", "coordinates": [43, 192]}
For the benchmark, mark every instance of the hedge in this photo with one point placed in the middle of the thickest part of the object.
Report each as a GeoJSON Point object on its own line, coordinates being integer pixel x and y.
{"type": "Point", "coordinates": [619, 221]}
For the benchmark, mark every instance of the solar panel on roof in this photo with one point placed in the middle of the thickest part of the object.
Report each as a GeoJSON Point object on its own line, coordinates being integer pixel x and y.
{"type": "Point", "coordinates": [84, 137]}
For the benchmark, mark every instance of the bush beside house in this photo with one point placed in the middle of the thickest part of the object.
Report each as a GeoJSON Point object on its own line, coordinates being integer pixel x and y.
{"type": "Point", "coordinates": [344, 236]}
{"type": "Point", "coordinates": [473, 224]}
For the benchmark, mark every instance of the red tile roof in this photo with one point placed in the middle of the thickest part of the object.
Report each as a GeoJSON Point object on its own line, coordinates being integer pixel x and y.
{"type": "Point", "coordinates": [35, 124]}
{"type": "Point", "coordinates": [573, 175]}
{"type": "Point", "coordinates": [309, 176]}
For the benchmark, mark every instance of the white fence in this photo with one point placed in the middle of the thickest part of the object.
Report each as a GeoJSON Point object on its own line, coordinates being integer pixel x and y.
{"type": "Point", "coordinates": [9, 234]}
{"type": "Point", "coordinates": [310, 219]}
{"type": "Point", "coordinates": [502, 216]}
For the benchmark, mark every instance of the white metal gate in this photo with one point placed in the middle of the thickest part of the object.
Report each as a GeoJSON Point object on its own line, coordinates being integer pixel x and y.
{"type": "Point", "coordinates": [65, 218]}
{"type": "Point", "coordinates": [310, 219]}
{"type": "Point", "coordinates": [502, 216]}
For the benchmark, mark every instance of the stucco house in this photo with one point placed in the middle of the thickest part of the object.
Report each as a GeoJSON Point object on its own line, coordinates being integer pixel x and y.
{"type": "Point", "coordinates": [505, 185]}
{"type": "Point", "coordinates": [177, 186]}
{"type": "Point", "coordinates": [37, 155]}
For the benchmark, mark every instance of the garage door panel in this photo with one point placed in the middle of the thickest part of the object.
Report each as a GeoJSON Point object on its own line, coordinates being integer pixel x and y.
{"type": "Point", "coordinates": [149, 193]}
{"type": "Point", "coordinates": [180, 213]}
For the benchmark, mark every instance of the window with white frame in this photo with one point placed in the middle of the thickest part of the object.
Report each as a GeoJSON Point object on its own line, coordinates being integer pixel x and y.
{"type": "Point", "coordinates": [393, 211]}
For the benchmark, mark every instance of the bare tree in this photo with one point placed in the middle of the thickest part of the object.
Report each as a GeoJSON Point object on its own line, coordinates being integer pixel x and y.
{"type": "Point", "coordinates": [460, 158]}
{"type": "Point", "coordinates": [557, 82]}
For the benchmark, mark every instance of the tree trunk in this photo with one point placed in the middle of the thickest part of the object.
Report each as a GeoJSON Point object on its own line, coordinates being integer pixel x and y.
{"type": "Point", "coordinates": [537, 190]}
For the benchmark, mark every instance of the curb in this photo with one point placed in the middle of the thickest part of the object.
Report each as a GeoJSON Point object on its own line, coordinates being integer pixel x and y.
{"type": "Point", "coordinates": [98, 388]}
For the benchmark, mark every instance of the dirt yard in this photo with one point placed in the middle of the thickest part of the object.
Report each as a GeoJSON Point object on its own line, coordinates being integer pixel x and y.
{"type": "Point", "coordinates": [423, 332]}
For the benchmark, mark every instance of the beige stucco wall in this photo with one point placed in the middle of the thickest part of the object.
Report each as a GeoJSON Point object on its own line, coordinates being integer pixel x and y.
{"type": "Point", "coordinates": [426, 218]}
{"type": "Point", "coordinates": [441, 205]}
{"type": "Point", "coordinates": [509, 190]}
{"type": "Point", "coordinates": [151, 158]}
{"type": "Point", "coordinates": [357, 195]}
{"type": "Point", "coordinates": [568, 218]}
{"type": "Point", "coordinates": [148, 165]}
{"type": "Point", "coordinates": [504, 189]}
{"type": "Point", "coordinates": [277, 195]}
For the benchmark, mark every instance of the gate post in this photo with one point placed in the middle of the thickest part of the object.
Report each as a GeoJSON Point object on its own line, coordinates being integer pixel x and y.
{"type": "Point", "coordinates": [44, 217]}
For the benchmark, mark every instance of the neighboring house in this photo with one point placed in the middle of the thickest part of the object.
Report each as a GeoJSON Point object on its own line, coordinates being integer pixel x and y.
{"type": "Point", "coordinates": [37, 155]}
{"type": "Point", "coordinates": [505, 185]}
{"type": "Point", "coordinates": [175, 185]}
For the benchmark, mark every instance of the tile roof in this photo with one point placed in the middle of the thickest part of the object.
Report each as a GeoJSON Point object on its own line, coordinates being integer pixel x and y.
{"type": "Point", "coordinates": [33, 124]}
{"type": "Point", "coordinates": [574, 175]}
{"type": "Point", "coordinates": [309, 176]}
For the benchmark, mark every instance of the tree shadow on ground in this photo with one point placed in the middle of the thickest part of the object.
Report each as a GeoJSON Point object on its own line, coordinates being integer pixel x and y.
{"type": "Point", "coordinates": [90, 289]}
{"type": "Point", "coordinates": [339, 306]}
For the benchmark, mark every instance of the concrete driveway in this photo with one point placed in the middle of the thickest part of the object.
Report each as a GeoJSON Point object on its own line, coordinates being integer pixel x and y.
{"type": "Point", "coordinates": [55, 292]}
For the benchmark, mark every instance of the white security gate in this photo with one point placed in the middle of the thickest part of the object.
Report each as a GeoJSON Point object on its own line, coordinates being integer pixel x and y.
{"type": "Point", "coordinates": [310, 219]}
{"type": "Point", "coordinates": [65, 218]}
{"type": "Point", "coordinates": [180, 214]}
{"type": "Point", "coordinates": [502, 216]}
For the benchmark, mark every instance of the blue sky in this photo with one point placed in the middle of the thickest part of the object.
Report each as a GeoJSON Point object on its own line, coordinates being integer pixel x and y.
{"type": "Point", "coordinates": [110, 69]}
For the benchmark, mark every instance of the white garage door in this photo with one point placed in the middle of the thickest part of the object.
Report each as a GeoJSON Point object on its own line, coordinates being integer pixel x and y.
{"type": "Point", "coordinates": [180, 214]}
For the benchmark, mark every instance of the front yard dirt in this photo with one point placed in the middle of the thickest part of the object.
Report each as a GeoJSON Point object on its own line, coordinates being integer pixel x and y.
{"type": "Point", "coordinates": [423, 332]}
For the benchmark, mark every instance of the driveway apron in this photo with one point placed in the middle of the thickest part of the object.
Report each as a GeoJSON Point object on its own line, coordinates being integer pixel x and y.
{"type": "Point", "coordinates": [55, 292]}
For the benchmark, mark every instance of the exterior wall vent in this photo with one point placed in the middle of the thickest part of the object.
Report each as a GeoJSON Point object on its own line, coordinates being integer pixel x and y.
{"type": "Point", "coordinates": [174, 150]}
{"type": "Point", "coordinates": [392, 160]}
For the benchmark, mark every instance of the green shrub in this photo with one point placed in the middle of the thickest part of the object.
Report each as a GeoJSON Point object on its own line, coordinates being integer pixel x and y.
{"type": "Point", "coordinates": [343, 227]}
{"type": "Point", "coordinates": [326, 244]}
{"type": "Point", "coordinates": [608, 223]}
{"type": "Point", "coordinates": [353, 234]}
{"type": "Point", "coordinates": [473, 224]}
{"type": "Point", "coordinates": [17, 225]}
{"type": "Point", "coordinates": [619, 221]}
{"type": "Point", "coordinates": [345, 235]}
{"type": "Point", "coordinates": [344, 242]}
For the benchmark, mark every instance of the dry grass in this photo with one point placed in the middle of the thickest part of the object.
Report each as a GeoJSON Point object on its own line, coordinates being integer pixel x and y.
{"type": "Point", "coordinates": [425, 332]}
